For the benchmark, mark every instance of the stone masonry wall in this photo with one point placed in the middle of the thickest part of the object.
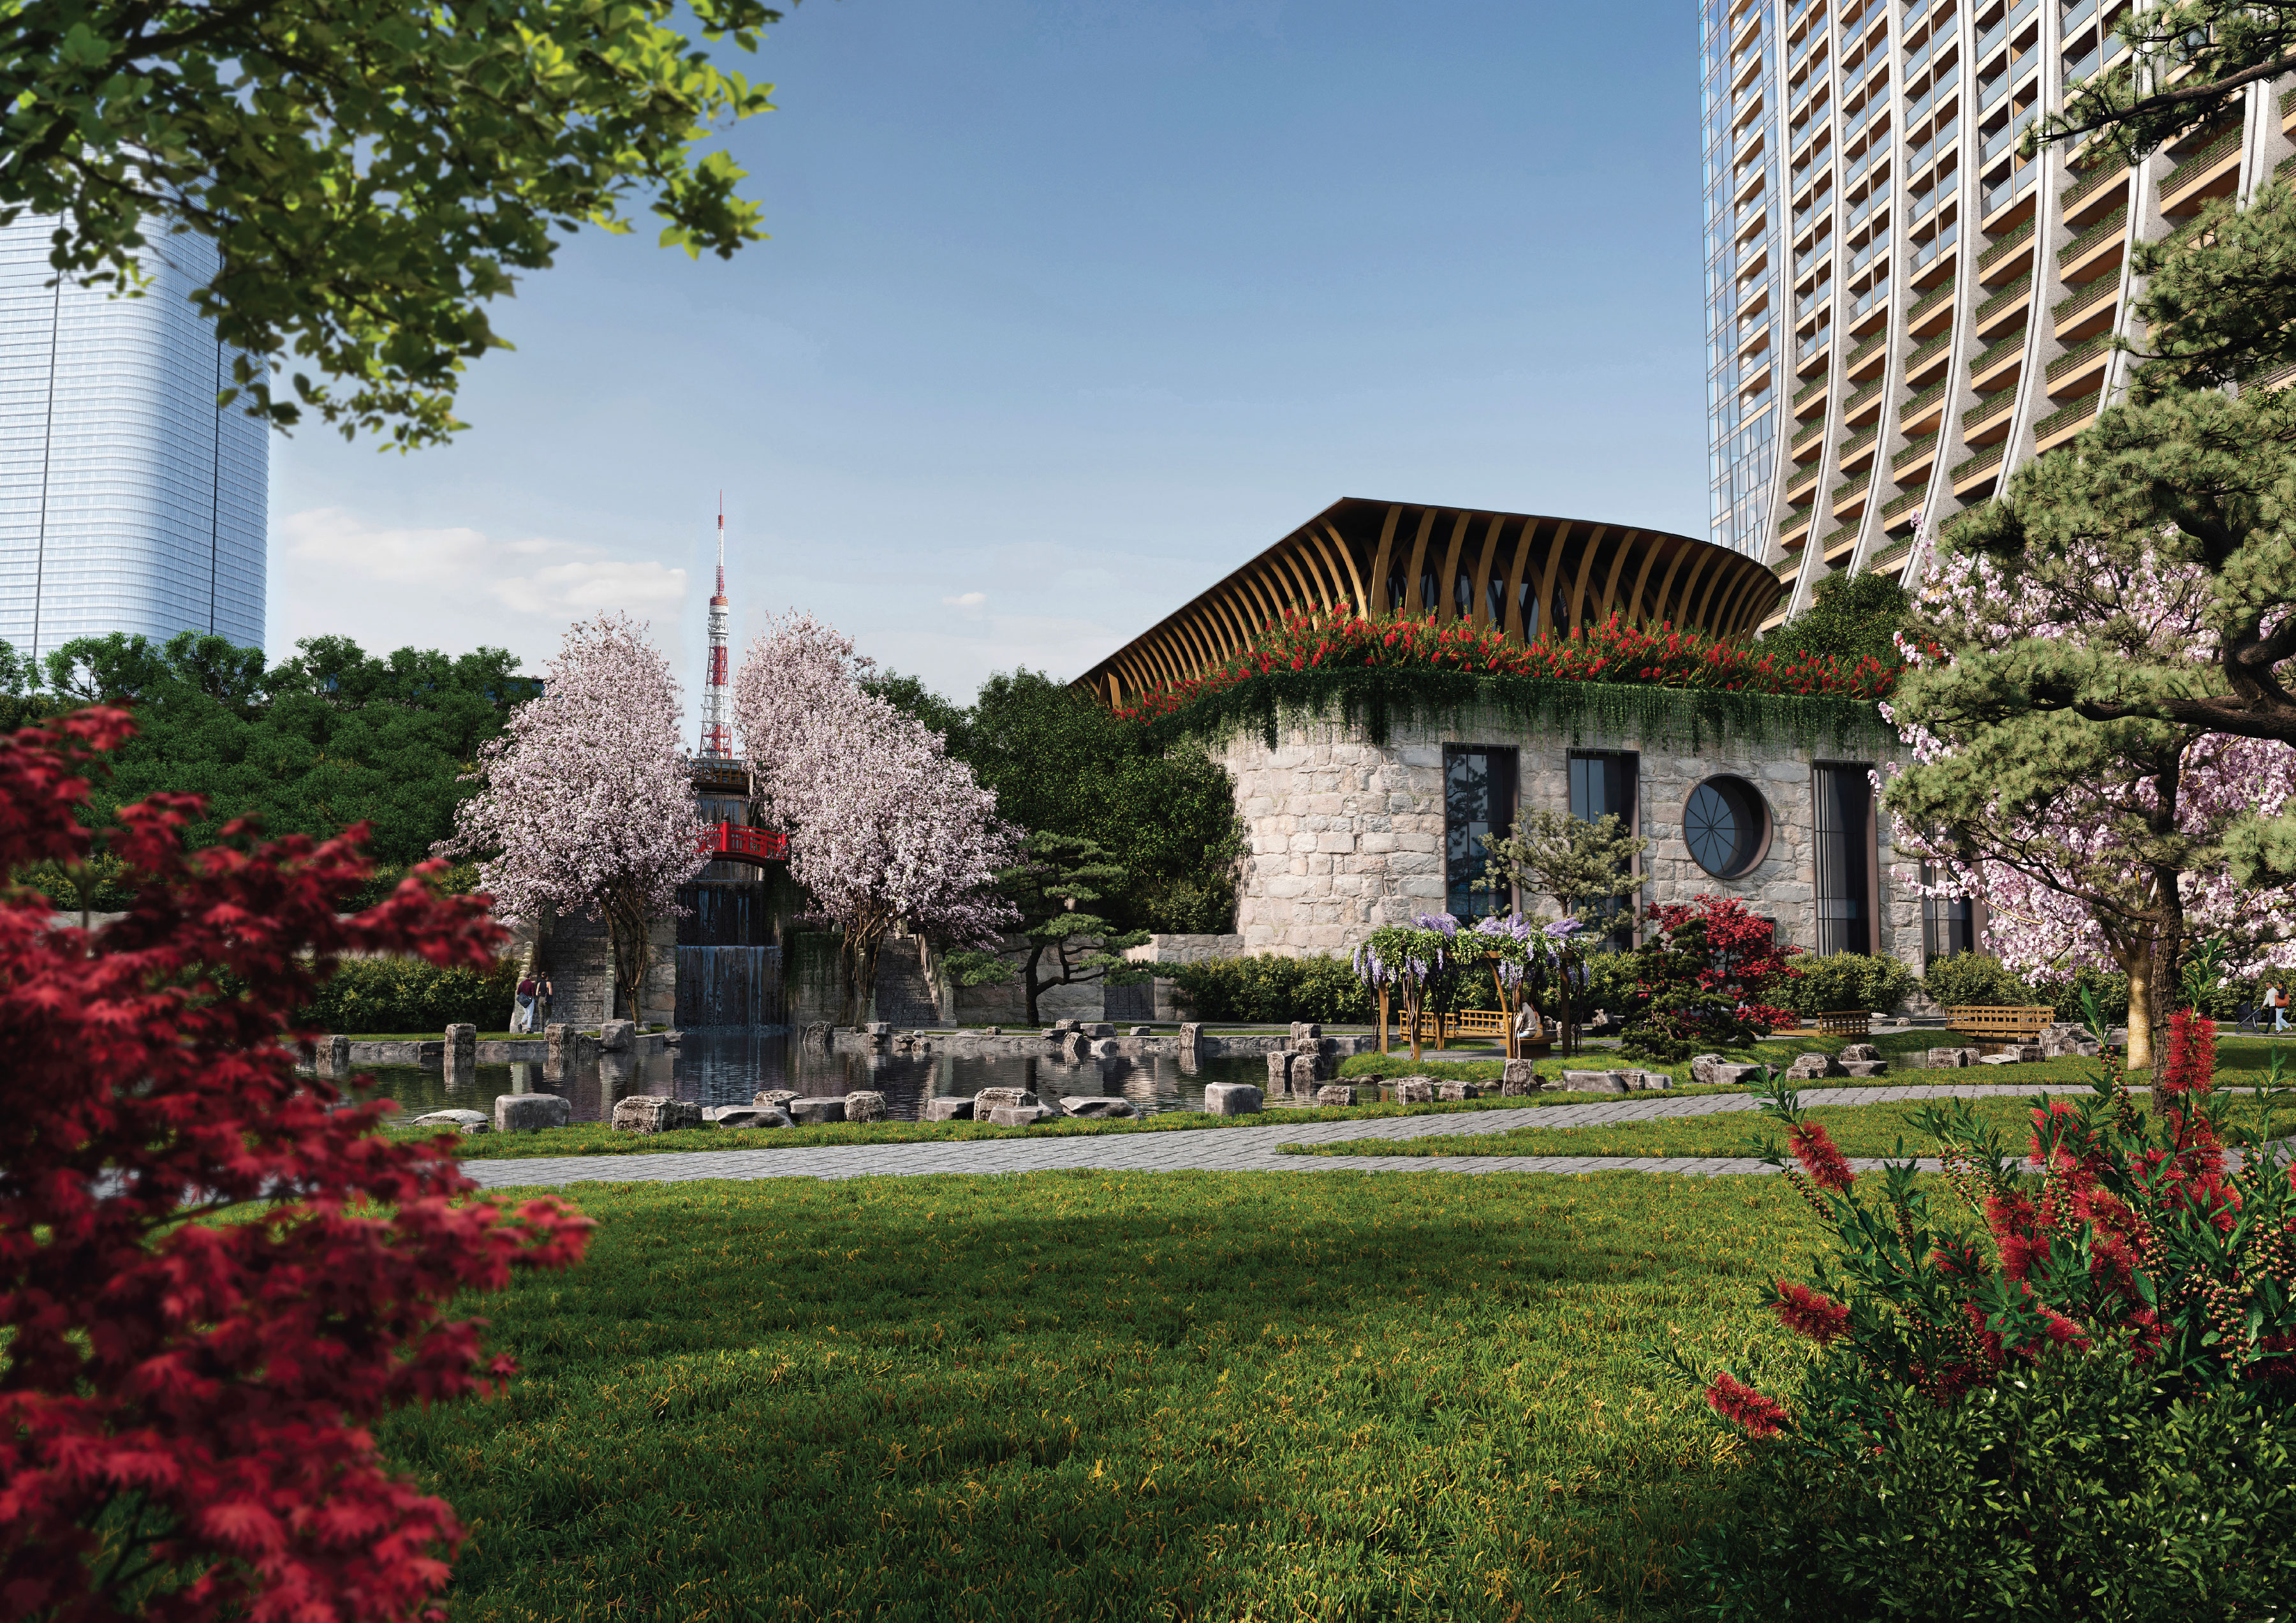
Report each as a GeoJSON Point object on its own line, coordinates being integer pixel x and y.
{"type": "Point", "coordinates": [1346, 837]}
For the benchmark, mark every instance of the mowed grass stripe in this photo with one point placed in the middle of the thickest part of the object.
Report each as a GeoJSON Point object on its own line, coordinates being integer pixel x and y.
{"type": "Point", "coordinates": [1088, 1396]}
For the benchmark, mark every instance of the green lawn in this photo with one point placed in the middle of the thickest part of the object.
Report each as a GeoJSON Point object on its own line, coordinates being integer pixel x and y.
{"type": "Point", "coordinates": [1859, 1130]}
{"type": "Point", "coordinates": [1098, 1395]}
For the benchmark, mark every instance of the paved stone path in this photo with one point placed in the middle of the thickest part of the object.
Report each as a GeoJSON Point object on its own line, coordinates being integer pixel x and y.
{"type": "Point", "coordinates": [1226, 1148]}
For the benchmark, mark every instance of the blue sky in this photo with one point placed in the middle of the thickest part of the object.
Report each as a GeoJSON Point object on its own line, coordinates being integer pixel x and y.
{"type": "Point", "coordinates": [1069, 308]}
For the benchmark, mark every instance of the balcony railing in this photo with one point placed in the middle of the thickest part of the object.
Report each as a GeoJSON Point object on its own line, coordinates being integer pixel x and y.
{"type": "Point", "coordinates": [1872, 296]}
{"type": "Point", "coordinates": [2003, 300]}
{"type": "Point", "coordinates": [1836, 539]}
{"type": "Point", "coordinates": [1999, 31]}
{"type": "Point", "coordinates": [1931, 300]}
{"type": "Point", "coordinates": [1810, 302]}
{"type": "Point", "coordinates": [1815, 251]}
{"type": "Point", "coordinates": [1922, 401]}
{"type": "Point", "coordinates": [2228, 142]}
{"type": "Point", "coordinates": [1926, 251]}
{"type": "Point", "coordinates": [1941, 136]}
{"type": "Point", "coordinates": [1987, 457]}
{"type": "Point", "coordinates": [1865, 394]}
{"type": "Point", "coordinates": [1859, 441]}
{"type": "Point", "coordinates": [1807, 389]}
{"type": "Point", "coordinates": [1811, 345]}
{"type": "Point", "coordinates": [1809, 435]}
{"type": "Point", "coordinates": [2071, 360]}
{"type": "Point", "coordinates": [1986, 407]}
{"type": "Point", "coordinates": [1864, 352]}
{"type": "Point", "coordinates": [1999, 196]}
{"type": "Point", "coordinates": [2079, 411]}
{"type": "Point", "coordinates": [1995, 354]}
{"type": "Point", "coordinates": [1929, 98]}
{"type": "Point", "coordinates": [2003, 249]}
{"type": "Point", "coordinates": [1787, 567]}
{"type": "Point", "coordinates": [1900, 506]}
{"type": "Point", "coordinates": [1795, 518]}
{"type": "Point", "coordinates": [1863, 256]}
{"type": "Point", "coordinates": [1865, 205]}
{"type": "Point", "coordinates": [1913, 452]}
{"type": "Point", "coordinates": [2105, 173]}
{"type": "Point", "coordinates": [1930, 346]}
{"type": "Point", "coordinates": [1995, 143]}
{"type": "Point", "coordinates": [2082, 297]}
{"type": "Point", "coordinates": [2112, 225]}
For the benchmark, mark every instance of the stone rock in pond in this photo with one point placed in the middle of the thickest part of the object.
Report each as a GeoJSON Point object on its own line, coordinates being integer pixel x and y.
{"type": "Point", "coordinates": [1105, 1047]}
{"type": "Point", "coordinates": [741, 1117]}
{"type": "Point", "coordinates": [531, 1112]}
{"type": "Point", "coordinates": [655, 1113]}
{"type": "Point", "coordinates": [1191, 1031]}
{"type": "Point", "coordinates": [1142, 1030]}
{"type": "Point", "coordinates": [991, 1099]}
{"type": "Point", "coordinates": [460, 1121]}
{"type": "Point", "coordinates": [948, 1110]}
{"type": "Point", "coordinates": [1100, 1106]}
{"type": "Point", "coordinates": [1858, 1051]}
{"type": "Point", "coordinates": [1021, 1116]}
{"type": "Point", "coordinates": [1415, 1090]}
{"type": "Point", "coordinates": [1061, 1027]}
{"type": "Point", "coordinates": [773, 1098]}
{"type": "Point", "coordinates": [817, 1112]}
{"type": "Point", "coordinates": [1279, 1073]}
{"type": "Point", "coordinates": [1454, 1091]}
{"type": "Point", "coordinates": [815, 1035]}
{"type": "Point", "coordinates": [994, 1031]}
{"type": "Point", "coordinates": [1867, 1067]}
{"type": "Point", "coordinates": [1099, 1028]}
{"type": "Point", "coordinates": [1233, 1099]}
{"type": "Point", "coordinates": [332, 1057]}
{"type": "Point", "coordinates": [1306, 1028]}
{"type": "Point", "coordinates": [1335, 1094]}
{"type": "Point", "coordinates": [864, 1107]}
{"type": "Point", "coordinates": [1951, 1059]}
{"type": "Point", "coordinates": [616, 1036]}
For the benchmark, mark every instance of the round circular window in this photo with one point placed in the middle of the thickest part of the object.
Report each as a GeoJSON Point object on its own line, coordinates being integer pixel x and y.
{"type": "Point", "coordinates": [1726, 826]}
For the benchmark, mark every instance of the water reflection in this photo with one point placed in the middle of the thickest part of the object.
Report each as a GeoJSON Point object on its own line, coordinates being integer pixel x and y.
{"type": "Point", "coordinates": [728, 1065]}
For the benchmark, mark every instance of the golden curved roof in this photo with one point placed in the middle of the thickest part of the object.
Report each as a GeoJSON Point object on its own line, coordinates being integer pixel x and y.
{"type": "Point", "coordinates": [1523, 571]}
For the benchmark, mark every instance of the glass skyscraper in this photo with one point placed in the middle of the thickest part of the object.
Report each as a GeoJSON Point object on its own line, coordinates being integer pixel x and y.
{"type": "Point", "coordinates": [1902, 308]}
{"type": "Point", "coordinates": [128, 502]}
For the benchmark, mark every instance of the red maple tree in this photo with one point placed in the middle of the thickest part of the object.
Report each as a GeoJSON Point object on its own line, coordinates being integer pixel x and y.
{"type": "Point", "coordinates": [214, 1273]}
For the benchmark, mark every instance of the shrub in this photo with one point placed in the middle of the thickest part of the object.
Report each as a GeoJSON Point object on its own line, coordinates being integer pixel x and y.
{"type": "Point", "coordinates": [187, 1421]}
{"type": "Point", "coordinates": [2083, 1488]}
{"type": "Point", "coordinates": [2107, 988]}
{"type": "Point", "coordinates": [405, 995]}
{"type": "Point", "coordinates": [1846, 980]}
{"type": "Point", "coordinates": [1610, 984]}
{"type": "Point", "coordinates": [1978, 979]}
{"type": "Point", "coordinates": [1265, 987]}
{"type": "Point", "coordinates": [1703, 980]}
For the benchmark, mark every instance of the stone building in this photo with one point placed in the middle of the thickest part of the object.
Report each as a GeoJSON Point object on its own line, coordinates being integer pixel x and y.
{"type": "Point", "coordinates": [1347, 834]}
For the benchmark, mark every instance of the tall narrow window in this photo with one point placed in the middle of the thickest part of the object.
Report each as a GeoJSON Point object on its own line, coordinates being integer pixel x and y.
{"type": "Point", "coordinates": [1844, 826]}
{"type": "Point", "coordinates": [1607, 785]}
{"type": "Point", "coordinates": [1478, 800]}
{"type": "Point", "coordinates": [1949, 923]}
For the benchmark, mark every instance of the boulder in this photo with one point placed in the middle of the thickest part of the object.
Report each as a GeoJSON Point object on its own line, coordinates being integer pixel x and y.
{"type": "Point", "coordinates": [332, 1057]}
{"type": "Point", "coordinates": [1233, 1099]}
{"type": "Point", "coordinates": [864, 1107]}
{"type": "Point", "coordinates": [1070, 1044]}
{"type": "Point", "coordinates": [460, 1121]}
{"type": "Point", "coordinates": [948, 1110]}
{"type": "Point", "coordinates": [463, 1042]}
{"type": "Point", "coordinates": [773, 1098]}
{"type": "Point", "coordinates": [1809, 1068]}
{"type": "Point", "coordinates": [2063, 1040]}
{"type": "Point", "coordinates": [739, 1119]}
{"type": "Point", "coordinates": [1517, 1076]}
{"type": "Point", "coordinates": [1737, 1075]}
{"type": "Point", "coordinates": [616, 1036]}
{"type": "Point", "coordinates": [1454, 1091]}
{"type": "Point", "coordinates": [1335, 1093]}
{"type": "Point", "coordinates": [815, 1112]}
{"type": "Point", "coordinates": [1858, 1051]}
{"type": "Point", "coordinates": [1998, 1059]}
{"type": "Point", "coordinates": [1190, 1030]}
{"type": "Point", "coordinates": [1304, 1028]}
{"type": "Point", "coordinates": [1100, 1106]}
{"type": "Point", "coordinates": [531, 1112]}
{"type": "Point", "coordinates": [815, 1035]}
{"type": "Point", "coordinates": [2027, 1053]}
{"type": "Point", "coordinates": [1867, 1067]}
{"type": "Point", "coordinates": [1142, 1030]}
{"type": "Point", "coordinates": [994, 1031]}
{"type": "Point", "coordinates": [1415, 1091]}
{"type": "Point", "coordinates": [1593, 1082]}
{"type": "Point", "coordinates": [1021, 1116]}
{"type": "Point", "coordinates": [1105, 1047]}
{"type": "Point", "coordinates": [991, 1099]}
{"type": "Point", "coordinates": [655, 1113]}
{"type": "Point", "coordinates": [1279, 1073]}
{"type": "Point", "coordinates": [1062, 1028]}
{"type": "Point", "coordinates": [1702, 1067]}
{"type": "Point", "coordinates": [1099, 1028]}
{"type": "Point", "coordinates": [1951, 1059]}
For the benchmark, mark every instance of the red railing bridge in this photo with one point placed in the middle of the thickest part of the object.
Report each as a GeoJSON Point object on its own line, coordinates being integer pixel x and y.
{"type": "Point", "coordinates": [740, 842]}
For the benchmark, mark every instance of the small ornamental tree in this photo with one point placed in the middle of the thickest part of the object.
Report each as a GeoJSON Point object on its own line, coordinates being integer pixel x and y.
{"type": "Point", "coordinates": [587, 805]}
{"type": "Point", "coordinates": [1701, 978]}
{"type": "Point", "coordinates": [884, 828]}
{"type": "Point", "coordinates": [186, 1404]}
{"type": "Point", "coordinates": [1054, 887]}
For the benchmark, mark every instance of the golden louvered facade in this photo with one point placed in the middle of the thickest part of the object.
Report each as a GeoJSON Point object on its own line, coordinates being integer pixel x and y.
{"type": "Point", "coordinates": [1524, 573]}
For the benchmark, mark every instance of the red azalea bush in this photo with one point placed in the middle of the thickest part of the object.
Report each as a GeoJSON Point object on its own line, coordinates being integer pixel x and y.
{"type": "Point", "coordinates": [2109, 1336]}
{"type": "Point", "coordinates": [184, 1401]}
{"type": "Point", "coordinates": [1614, 651]}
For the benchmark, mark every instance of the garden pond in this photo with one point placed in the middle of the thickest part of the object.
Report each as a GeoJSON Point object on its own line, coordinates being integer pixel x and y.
{"type": "Point", "coordinates": [725, 1066]}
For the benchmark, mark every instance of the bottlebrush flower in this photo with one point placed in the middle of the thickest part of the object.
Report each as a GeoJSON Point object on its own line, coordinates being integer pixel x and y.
{"type": "Point", "coordinates": [1826, 1165]}
{"type": "Point", "coordinates": [1809, 1313]}
{"type": "Point", "coordinates": [1734, 1401]}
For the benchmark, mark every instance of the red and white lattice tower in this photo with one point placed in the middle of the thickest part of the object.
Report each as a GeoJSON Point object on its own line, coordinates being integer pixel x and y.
{"type": "Point", "coordinates": [716, 731]}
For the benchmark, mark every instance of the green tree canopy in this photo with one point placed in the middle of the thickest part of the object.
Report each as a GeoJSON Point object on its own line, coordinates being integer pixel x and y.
{"type": "Point", "coordinates": [372, 173]}
{"type": "Point", "coordinates": [1852, 617]}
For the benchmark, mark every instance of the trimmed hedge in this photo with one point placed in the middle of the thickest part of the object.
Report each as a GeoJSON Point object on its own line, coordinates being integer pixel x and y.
{"type": "Point", "coordinates": [401, 994]}
{"type": "Point", "coordinates": [1267, 988]}
{"type": "Point", "coordinates": [1845, 980]}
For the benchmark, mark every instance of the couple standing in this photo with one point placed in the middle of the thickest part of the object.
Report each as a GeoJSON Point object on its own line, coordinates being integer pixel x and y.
{"type": "Point", "coordinates": [532, 990]}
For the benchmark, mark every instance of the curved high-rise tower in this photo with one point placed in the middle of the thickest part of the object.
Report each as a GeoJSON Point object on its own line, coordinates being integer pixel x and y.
{"type": "Point", "coordinates": [1901, 307]}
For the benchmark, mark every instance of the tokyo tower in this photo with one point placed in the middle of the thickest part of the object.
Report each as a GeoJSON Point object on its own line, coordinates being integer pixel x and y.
{"type": "Point", "coordinates": [717, 730]}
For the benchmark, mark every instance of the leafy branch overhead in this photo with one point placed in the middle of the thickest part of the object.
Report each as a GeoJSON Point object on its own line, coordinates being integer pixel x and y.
{"type": "Point", "coordinates": [2188, 63]}
{"type": "Point", "coordinates": [372, 173]}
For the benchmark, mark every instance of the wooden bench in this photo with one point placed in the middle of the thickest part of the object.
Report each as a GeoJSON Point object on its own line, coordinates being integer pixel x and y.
{"type": "Point", "coordinates": [1486, 1023]}
{"type": "Point", "coordinates": [2001, 1023]}
{"type": "Point", "coordinates": [1834, 1023]}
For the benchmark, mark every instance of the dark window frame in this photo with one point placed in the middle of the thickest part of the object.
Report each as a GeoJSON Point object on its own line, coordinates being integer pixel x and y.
{"type": "Point", "coordinates": [1503, 767]}
{"type": "Point", "coordinates": [1626, 936]}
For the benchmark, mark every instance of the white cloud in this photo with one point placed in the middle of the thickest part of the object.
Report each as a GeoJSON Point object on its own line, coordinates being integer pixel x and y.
{"type": "Point", "coordinates": [456, 589]}
{"type": "Point", "coordinates": [967, 600]}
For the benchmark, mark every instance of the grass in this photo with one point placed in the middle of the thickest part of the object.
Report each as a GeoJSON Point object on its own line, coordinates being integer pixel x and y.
{"type": "Point", "coordinates": [1858, 1130]}
{"type": "Point", "coordinates": [1086, 1395]}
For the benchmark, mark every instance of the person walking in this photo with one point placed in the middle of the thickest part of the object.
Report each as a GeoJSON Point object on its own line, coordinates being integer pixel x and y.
{"type": "Point", "coordinates": [2275, 998]}
{"type": "Point", "coordinates": [523, 1019]}
{"type": "Point", "coordinates": [542, 995]}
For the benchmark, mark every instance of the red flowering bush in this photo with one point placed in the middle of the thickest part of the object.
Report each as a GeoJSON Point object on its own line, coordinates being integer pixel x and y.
{"type": "Point", "coordinates": [1701, 978]}
{"type": "Point", "coordinates": [215, 1276]}
{"type": "Point", "coordinates": [1305, 639]}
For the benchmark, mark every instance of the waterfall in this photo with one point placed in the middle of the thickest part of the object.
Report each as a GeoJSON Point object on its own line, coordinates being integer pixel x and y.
{"type": "Point", "coordinates": [729, 986]}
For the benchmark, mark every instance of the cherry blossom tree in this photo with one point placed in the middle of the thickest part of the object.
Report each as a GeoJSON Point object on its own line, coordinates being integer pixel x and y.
{"type": "Point", "coordinates": [587, 805]}
{"type": "Point", "coordinates": [883, 827]}
{"type": "Point", "coordinates": [187, 1405]}
{"type": "Point", "coordinates": [2091, 842]}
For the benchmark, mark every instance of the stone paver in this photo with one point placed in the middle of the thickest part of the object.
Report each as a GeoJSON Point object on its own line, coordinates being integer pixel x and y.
{"type": "Point", "coordinates": [1225, 1148]}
